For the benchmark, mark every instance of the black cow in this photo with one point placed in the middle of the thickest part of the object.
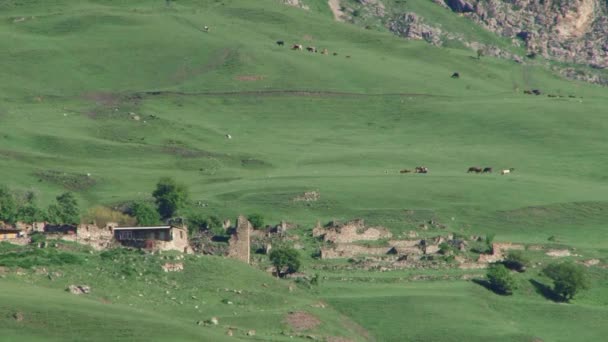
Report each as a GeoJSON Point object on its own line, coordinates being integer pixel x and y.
{"type": "Point", "coordinates": [455, 75]}
{"type": "Point", "coordinates": [280, 43]}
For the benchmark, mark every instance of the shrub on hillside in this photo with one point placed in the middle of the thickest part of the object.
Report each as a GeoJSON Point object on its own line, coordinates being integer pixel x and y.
{"type": "Point", "coordinates": [65, 210]}
{"type": "Point", "coordinates": [516, 261]}
{"type": "Point", "coordinates": [101, 216]}
{"type": "Point", "coordinates": [285, 260]}
{"type": "Point", "coordinates": [145, 214]}
{"type": "Point", "coordinates": [8, 205]}
{"type": "Point", "coordinates": [500, 279]}
{"type": "Point", "coordinates": [170, 197]}
{"type": "Point", "coordinates": [568, 279]}
{"type": "Point", "coordinates": [257, 221]}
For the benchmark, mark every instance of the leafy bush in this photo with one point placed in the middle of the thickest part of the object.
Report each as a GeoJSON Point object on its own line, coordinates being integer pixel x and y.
{"type": "Point", "coordinates": [285, 258]}
{"type": "Point", "coordinates": [65, 210]}
{"type": "Point", "coordinates": [516, 261]}
{"type": "Point", "coordinates": [101, 216]}
{"type": "Point", "coordinates": [37, 238]}
{"type": "Point", "coordinates": [257, 221]}
{"type": "Point", "coordinates": [8, 205]}
{"type": "Point", "coordinates": [501, 280]}
{"type": "Point", "coordinates": [170, 197]}
{"type": "Point", "coordinates": [145, 214]}
{"type": "Point", "coordinates": [30, 213]}
{"type": "Point", "coordinates": [568, 279]}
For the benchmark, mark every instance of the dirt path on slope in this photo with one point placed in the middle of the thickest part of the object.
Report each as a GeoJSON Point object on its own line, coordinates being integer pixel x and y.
{"type": "Point", "coordinates": [334, 5]}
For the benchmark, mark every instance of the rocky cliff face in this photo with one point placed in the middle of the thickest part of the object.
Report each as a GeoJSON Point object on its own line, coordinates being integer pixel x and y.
{"type": "Point", "coordinates": [566, 30]}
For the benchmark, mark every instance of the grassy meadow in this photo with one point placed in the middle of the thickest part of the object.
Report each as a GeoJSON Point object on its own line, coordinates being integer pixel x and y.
{"type": "Point", "coordinates": [131, 91]}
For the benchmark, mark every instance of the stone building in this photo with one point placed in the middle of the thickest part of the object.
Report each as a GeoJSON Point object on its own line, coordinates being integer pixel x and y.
{"type": "Point", "coordinates": [158, 238]}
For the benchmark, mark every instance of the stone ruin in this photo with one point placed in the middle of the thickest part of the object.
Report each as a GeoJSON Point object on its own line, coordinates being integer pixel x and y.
{"type": "Point", "coordinates": [497, 252]}
{"type": "Point", "coordinates": [240, 241]}
{"type": "Point", "coordinates": [308, 196]}
{"type": "Point", "coordinates": [350, 232]}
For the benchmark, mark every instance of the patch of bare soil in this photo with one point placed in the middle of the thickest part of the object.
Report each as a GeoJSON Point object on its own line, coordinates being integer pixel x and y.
{"type": "Point", "coordinates": [335, 7]}
{"type": "Point", "coordinates": [300, 321]}
{"type": "Point", "coordinates": [103, 98]}
{"type": "Point", "coordinates": [245, 78]}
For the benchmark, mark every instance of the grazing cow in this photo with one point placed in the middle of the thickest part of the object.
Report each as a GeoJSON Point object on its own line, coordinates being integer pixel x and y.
{"type": "Point", "coordinates": [421, 169]}
{"type": "Point", "coordinates": [455, 75]}
{"type": "Point", "coordinates": [536, 92]}
{"type": "Point", "coordinates": [324, 52]}
{"type": "Point", "coordinates": [487, 170]}
{"type": "Point", "coordinates": [335, 53]}
{"type": "Point", "coordinates": [507, 171]}
{"type": "Point", "coordinates": [311, 49]}
{"type": "Point", "coordinates": [228, 136]}
{"type": "Point", "coordinates": [572, 96]}
{"type": "Point", "coordinates": [297, 47]}
{"type": "Point", "coordinates": [527, 92]}
{"type": "Point", "coordinates": [475, 169]}
{"type": "Point", "coordinates": [551, 95]}
{"type": "Point", "coordinates": [280, 43]}
{"type": "Point", "coordinates": [347, 56]}
{"type": "Point", "coordinates": [206, 28]}
{"type": "Point", "coordinates": [405, 171]}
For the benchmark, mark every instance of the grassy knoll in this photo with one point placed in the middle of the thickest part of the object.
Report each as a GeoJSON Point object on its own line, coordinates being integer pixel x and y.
{"type": "Point", "coordinates": [133, 91]}
{"type": "Point", "coordinates": [133, 299]}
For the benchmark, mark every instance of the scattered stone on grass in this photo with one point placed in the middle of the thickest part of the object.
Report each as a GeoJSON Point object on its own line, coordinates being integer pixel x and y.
{"type": "Point", "coordinates": [79, 289]}
{"type": "Point", "coordinates": [18, 316]}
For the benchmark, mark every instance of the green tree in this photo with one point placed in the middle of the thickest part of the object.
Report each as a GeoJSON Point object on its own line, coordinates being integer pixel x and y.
{"type": "Point", "coordinates": [170, 197]}
{"type": "Point", "coordinates": [501, 280]}
{"type": "Point", "coordinates": [145, 214]}
{"type": "Point", "coordinates": [568, 279]}
{"type": "Point", "coordinates": [8, 205]}
{"type": "Point", "coordinates": [257, 221]}
{"type": "Point", "coordinates": [285, 258]}
{"type": "Point", "coordinates": [30, 213]}
{"type": "Point", "coordinates": [516, 260]}
{"type": "Point", "coordinates": [65, 210]}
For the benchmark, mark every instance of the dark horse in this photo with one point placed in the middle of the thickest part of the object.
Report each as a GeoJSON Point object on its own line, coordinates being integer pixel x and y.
{"type": "Point", "coordinates": [474, 169]}
{"type": "Point", "coordinates": [455, 75]}
{"type": "Point", "coordinates": [280, 43]}
{"type": "Point", "coordinates": [487, 170]}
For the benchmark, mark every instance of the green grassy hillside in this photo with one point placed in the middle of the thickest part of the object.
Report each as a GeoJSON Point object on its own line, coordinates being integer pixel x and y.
{"type": "Point", "coordinates": [132, 91]}
{"type": "Point", "coordinates": [133, 299]}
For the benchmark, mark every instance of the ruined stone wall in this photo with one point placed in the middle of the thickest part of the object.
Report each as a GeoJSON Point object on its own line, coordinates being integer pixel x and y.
{"type": "Point", "coordinates": [179, 241]}
{"type": "Point", "coordinates": [240, 241]}
{"type": "Point", "coordinates": [98, 238]}
{"type": "Point", "coordinates": [353, 231]}
{"type": "Point", "coordinates": [349, 251]}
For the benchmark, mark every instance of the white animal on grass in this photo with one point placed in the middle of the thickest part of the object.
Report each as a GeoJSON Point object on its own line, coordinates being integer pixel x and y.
{"type": "Point", "coordinates": [228, 136]}
{"type": "Point", "coordinates": [507, 171]}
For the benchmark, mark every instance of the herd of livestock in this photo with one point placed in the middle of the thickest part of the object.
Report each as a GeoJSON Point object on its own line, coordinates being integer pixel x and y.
{"type": "Point", "coordinates": [308, 48]}
{"type": "Point", "coordinates": [472, 169]}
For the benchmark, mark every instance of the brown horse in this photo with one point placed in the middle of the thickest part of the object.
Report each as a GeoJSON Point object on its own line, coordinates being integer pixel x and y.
{"type": "Point", "coordinates": [487, 170]}
{"type": "Point", "coordinates": [475, 169]}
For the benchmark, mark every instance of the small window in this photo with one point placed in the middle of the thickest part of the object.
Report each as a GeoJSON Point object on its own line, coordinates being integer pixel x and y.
{"type": "Point", "coordinates": [181, 234]}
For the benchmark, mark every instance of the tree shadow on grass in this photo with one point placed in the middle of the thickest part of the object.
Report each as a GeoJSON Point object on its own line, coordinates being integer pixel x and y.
{"type": "Point", "coordinates": [485, 283]}
{"type": "Point", "coordinates": [546, 291]}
